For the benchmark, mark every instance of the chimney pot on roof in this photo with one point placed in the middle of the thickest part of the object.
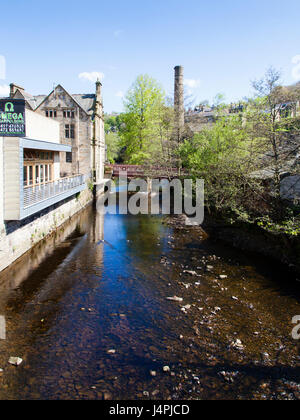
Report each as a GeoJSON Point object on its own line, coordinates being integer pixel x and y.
{"type": "Point", "coordinates": [98, 90]}
{"type": "Point", "coordinates": [14, 88]}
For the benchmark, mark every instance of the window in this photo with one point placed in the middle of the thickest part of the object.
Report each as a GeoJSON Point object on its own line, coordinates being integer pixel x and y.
{"type": "Point", "coordinates": [25, 178]}
{"type": "Point", "coordinates": [69, 113]}
{"type": "Point", "coordinates": [38, 167]}
{"type": "Point", "coordinates": [42, 173]}
{"type": "Point", "coordinates": [37, 174]}
{"type": "Point", "coordinates": [30, 175]}
{"type": "Point", "coordinates": [31, 155]}
{"type": "Point", "coordinates": [46, 173]}
{"type": "Point", "coordinates": [67, 131]}
{"type": "Point", "coordinates": [69, 157]}
{"type": "Point", "coordinates": [70, 131]}
{"type": "Point", "coordinates": [52, 113]}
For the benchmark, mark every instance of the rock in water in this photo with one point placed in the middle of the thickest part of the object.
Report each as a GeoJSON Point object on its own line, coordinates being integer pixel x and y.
{"type": "Point", "coordinates": [237, 344]}
{"type": "Point", "coordinates": [15, 361]}
{"type": "Point", "coordinates": [191, 273]}
{"type": "Point", "coordinates": [175, 299]}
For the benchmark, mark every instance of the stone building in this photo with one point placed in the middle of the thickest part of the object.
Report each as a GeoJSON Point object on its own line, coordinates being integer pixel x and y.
{"type": "Point", "coordinates": [52, 150]}
{"type": "Point", "coordinates": [81, 126]}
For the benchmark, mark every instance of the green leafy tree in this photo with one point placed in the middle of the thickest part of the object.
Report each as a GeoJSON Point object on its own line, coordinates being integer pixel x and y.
{"type": "Point", "coordinates": [112, 126]}
{"type": "Point", "coordinates": [221, 155]}
{"type": "Point", "coordinates": [268, 117]}
{"type": "Point", "coordinates": [140, 131]}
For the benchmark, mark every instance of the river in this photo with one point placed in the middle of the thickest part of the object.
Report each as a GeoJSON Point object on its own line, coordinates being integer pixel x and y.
{"type": "Point", "coordinates": [88, 313]}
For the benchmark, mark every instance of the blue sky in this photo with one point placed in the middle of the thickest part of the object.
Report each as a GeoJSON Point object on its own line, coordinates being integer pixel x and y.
{"type": "Point", "coordinates": [223, 44]}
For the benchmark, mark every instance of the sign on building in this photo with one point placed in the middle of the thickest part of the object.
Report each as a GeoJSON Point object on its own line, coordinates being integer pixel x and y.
{"type": "Point", "coordinates": [12, 118]}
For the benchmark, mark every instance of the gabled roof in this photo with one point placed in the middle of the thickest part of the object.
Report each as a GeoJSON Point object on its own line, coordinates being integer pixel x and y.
{"type": "Point", "coordinates": [39, 99]}
{"type": "Point", "coordinates": [20, 93]}
{"type": "Point", "coordinates": [84, 101]}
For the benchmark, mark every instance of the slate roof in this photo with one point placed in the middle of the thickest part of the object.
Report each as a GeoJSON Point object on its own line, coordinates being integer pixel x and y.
{"type": "Point", "coordinates": [39, 99]}
{"type": "Point", "coordinates": [86, 101]}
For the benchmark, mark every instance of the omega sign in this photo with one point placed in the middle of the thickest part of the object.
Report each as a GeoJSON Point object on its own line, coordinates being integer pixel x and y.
{"type": "Point", "coordinates": [12, 118]}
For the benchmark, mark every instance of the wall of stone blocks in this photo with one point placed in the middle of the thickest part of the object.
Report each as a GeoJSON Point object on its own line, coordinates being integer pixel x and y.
{"type": "Point", "coordinates": [18, 239]}
{"type": "Point", "coordinates": [81, 144]}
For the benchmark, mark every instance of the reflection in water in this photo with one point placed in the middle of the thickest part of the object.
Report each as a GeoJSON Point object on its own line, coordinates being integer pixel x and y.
{"type": "Point", "coordinates": [2, 328]}
{"type": "Point", "coordinates": [101, 283]}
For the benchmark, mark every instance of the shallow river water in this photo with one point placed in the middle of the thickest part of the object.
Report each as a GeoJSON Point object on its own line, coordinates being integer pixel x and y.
{"type": "Point", "coordinates": [88, 313]}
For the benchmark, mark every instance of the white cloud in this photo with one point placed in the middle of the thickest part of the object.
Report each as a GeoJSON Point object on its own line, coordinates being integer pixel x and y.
{"type": "Point", "coordinates": [296, 68]}
{"type": "Point", "coordinates": [192, 83]}
{"type": "Point", "coordinates": [120, 94]}
{"type": "Point", "coordinates": [4, 90]}
{"type": "Point", "coordinates": [92, 76]}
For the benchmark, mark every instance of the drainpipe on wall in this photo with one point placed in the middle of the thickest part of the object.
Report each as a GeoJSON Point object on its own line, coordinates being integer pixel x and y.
{"type": "Point", "coordinates": [96, 119]}
{"type": "Point", "coordinates": [78, 145]}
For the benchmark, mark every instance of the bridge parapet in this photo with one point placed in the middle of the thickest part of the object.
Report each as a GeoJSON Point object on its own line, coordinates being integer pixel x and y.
{"type": "Point", "coordinates": [140, 171]}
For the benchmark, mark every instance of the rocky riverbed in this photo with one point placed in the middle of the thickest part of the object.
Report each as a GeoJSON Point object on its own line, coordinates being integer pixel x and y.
{"type": "Point", "coordinates": [139, 307]}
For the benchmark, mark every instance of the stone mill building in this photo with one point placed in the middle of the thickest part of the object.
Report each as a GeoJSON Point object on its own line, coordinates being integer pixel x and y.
{"type": "Point", "coordinates": [81, 126]}
{"type": "Point", "coordinates": [52, 155]}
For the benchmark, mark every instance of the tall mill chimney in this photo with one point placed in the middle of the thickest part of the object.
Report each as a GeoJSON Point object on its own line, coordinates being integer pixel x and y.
{"type": "Point", "coordinates": [99, 100]}
{"type": "Point", "coordinates": [179, 101]}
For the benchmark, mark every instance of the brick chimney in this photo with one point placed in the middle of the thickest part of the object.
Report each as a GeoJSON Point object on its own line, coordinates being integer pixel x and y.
{"type": "Point", "coordinates": [179, 101]}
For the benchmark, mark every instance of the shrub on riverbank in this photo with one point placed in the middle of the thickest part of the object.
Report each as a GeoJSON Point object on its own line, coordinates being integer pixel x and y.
{"type": "Point", "coordinates": [244, 157]}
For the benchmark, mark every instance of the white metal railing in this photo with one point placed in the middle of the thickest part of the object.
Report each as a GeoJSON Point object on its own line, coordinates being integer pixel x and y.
{"type": "Point", "coordinates": [38, 193]}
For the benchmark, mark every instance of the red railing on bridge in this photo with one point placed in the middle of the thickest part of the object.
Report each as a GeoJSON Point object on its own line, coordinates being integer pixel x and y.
{"type": "Point", "coordinates": [135, 171]}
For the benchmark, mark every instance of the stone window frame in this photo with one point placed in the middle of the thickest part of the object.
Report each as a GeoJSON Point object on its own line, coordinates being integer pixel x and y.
{"type": "Point", "coordinates": [69, 113]}
{"type": "Point", "coordinates": [70, 131]}
{"type": "Point", "coordinates": [51, 113]}
{"type": "Point", "coordinates": [69, 157]}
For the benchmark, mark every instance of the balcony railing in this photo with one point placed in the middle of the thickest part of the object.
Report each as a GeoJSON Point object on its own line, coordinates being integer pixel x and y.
{"type": "Point", "coordinates": [39, 193]}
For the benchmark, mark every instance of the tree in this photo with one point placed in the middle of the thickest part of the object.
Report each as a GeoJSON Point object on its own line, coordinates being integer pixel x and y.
{"type": "Point", "coordinates": [221, 155]}
{"type": "Point", "coordinates": [112, 126]}
{"type": "Point", "coordinates": [268, 115]}
{"type": "Point", "coordinates": [219, 100]}
{"type": "Point", "coordinates": [139, 134]}
{"type": "Point", "coordinates": [113, 150]}
{"type": "Point", "coordinates": [244, 155]}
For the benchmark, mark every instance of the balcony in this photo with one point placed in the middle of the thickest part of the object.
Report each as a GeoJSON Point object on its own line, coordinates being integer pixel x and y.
{"type": "Point", "coordinates": [36, 198]}
{"type": "Point", "coordinates": [22, 200]}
